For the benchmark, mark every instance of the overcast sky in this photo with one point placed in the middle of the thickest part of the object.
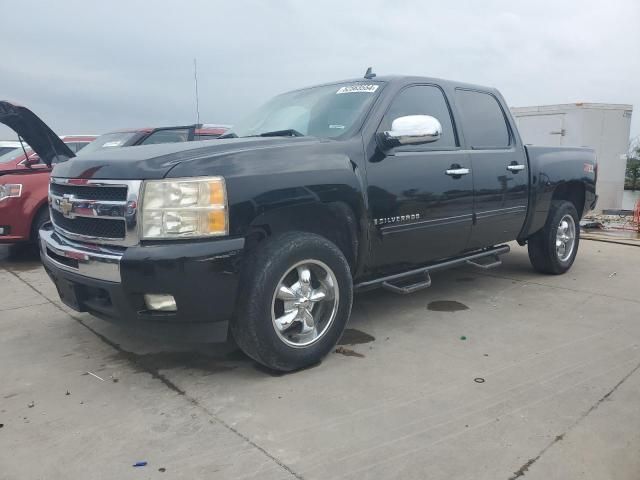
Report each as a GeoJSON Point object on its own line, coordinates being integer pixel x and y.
{"type": "Point", "coordinates": [86, 67]}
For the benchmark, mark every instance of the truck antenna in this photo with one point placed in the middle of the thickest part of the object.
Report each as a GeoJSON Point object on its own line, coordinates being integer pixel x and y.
{"type": "Point", "coordinates": [369, 74]}
{"type": "Point", "coordinates": [195, 79]}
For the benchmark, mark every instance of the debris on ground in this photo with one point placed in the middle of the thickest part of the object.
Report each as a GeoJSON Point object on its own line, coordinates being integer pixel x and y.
{"type": "Point", "coordinates": [618, 226]}
{"type": "Point", "coordinates": [463, 337]}
{"type": "Point", "coordinates": [31, 404]}
{"type": "Point", "coordinates": [478, 380]}
{"type": "Point", "coordinates": [140, 464]}
{"type": "Point", "coordinates": [613, 274]}
{"type": "Point", "coordinates": [589, 225]}
{"type": "Point", "coordinates": [68, 393]}
{"type": "Point", "coordinates": [96, 376]}
{"type": "Point", "coordinates": [162, 469]}
{"type": "Point", "coordinates": [348, 352]}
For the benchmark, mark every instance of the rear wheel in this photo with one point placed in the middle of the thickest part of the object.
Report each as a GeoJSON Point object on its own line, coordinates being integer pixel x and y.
{"type": "Point", "coordinates": [294, 302]}
{"type": "Point", "coordinates": [553, 249]}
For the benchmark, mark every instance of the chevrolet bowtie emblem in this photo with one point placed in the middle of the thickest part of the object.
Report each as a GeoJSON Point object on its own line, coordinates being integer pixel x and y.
{"type": "Point", "coordinates": [66, 206]}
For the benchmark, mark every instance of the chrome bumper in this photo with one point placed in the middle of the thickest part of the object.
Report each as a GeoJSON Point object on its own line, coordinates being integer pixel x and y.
{"type": "Point", "coordinates": [93, 261]}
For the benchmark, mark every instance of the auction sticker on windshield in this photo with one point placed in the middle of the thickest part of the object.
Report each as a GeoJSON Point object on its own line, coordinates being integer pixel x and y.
{"type": "Point", "coordinates": [359, 88]}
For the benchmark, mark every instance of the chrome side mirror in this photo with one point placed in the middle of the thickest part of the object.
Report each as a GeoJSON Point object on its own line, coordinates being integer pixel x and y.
{"type": "Point", "coordinates": [413, 130]}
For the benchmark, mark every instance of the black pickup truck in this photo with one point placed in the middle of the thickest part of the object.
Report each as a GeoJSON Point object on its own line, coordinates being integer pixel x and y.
{"type": "Point", "coordinates": [267, 232]}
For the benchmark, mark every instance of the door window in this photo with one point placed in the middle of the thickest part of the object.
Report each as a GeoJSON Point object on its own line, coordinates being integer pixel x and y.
{"type": "Point", "coordinates": [423, 100]}
{"type": "Point", "coordinates": [483, 122]}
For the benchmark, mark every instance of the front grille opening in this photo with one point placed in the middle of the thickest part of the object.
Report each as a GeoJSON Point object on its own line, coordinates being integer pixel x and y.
{"type": "Point", "coordinates": [90, 193]}
{"type": "Point", "coordinates": [69, 262]}
{"type": "Point", "coordinates": [90, 227]}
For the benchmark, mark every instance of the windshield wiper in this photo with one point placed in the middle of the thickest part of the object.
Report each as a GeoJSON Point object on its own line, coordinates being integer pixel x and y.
{"type": "Point", "coordinates": [289, 132]}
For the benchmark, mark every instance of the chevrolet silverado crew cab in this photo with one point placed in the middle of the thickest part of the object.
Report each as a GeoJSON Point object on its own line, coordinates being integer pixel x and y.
{"type": "Point", "coordinates": [324, 191]}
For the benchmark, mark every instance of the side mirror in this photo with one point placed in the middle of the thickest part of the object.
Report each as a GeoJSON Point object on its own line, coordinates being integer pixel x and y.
{"type": "Point", "coordinates": [32, 160]}
{"type": "Point", "coordinates": [413, 130]}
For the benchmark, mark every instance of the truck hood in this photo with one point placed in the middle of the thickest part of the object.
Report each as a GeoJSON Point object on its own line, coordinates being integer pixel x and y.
{"type": "Point", "coordinates": [148, 162]}
{"type": "Point", "coordinates": [35, 132]}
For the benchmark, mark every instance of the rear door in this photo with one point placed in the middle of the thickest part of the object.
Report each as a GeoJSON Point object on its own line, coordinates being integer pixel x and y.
{"type": "Point", "coordinates": [500, 170]}
{"type": "Point", "coordinates": [420, 213]}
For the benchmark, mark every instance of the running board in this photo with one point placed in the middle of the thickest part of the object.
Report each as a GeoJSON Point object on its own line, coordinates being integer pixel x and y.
{"type": "Point", "coordinates": [406, 282]}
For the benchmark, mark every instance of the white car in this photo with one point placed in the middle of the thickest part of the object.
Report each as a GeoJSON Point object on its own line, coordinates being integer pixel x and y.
{"type": "Point", "coordinates": [8, 145]}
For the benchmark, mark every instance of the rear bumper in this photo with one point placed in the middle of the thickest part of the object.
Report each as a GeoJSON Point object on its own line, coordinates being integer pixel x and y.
{"type": "Point", "coordinates": [111, 284]}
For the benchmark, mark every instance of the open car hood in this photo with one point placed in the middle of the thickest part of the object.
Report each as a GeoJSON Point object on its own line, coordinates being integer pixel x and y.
{"type": "Point", "coordinates": [35, 132]}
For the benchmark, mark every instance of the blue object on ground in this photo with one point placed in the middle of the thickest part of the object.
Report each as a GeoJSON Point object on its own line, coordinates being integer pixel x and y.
{"type": "Point", "coordinates": [140, 464]}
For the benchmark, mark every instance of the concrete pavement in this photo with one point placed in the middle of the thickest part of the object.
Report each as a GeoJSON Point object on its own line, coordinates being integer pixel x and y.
{"type": "Point", "coordinates": [486, 375]}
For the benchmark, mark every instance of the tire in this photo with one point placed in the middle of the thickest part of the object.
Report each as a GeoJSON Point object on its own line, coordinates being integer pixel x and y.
{"type": "Point", "coordinates": [40, 219]}
{"type": "Point", "coordinates": [270, 324]}
{"type": "Point", "coordinates": [562, 227]}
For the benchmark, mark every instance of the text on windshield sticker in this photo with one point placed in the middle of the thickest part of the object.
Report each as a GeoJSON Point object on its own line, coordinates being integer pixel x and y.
{"type": "Point", "coordinates": [360, 88]}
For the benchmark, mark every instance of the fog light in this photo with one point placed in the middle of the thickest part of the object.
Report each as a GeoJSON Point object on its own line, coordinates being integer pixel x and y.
{"type": "Point", "coordinates": [160, 301]}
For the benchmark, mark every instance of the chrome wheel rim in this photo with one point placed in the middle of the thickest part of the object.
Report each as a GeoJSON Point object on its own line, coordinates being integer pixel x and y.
{"type": "Point", "coordinates": [565, 238]}
{"type": "Point", "coordinates": [305, 303]}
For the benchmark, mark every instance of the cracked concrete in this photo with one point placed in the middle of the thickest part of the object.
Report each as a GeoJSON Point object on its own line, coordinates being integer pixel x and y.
{"type": "Point", "coordinates": [559, 355]}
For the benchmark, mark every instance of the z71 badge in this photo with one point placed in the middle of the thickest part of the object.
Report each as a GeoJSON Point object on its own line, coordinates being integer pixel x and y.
{"type": "Point", "coordinates": [399, 218]}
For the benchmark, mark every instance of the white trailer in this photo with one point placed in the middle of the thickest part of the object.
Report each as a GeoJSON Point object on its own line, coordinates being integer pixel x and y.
{"type": "Point", "coordinates": [602, 126]}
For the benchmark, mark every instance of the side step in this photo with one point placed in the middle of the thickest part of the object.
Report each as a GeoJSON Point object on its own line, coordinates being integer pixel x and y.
{"type": "Point", "coordinates": [419, 278]}
{"type": "Point", "coordinates": [406, 285]}
{"type": "Point", "coordinates": [493, 261]}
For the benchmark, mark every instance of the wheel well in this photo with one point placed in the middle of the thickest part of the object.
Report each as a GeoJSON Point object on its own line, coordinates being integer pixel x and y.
{"type": "Point", "coordinates": [572, 192]}
{"type": "Point", "coordinates": [334, 221]}
{"type": "Point", "coordinates": [42, 208]}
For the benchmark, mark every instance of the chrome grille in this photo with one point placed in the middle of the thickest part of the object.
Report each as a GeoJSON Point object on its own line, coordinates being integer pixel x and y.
{"type": "Point", "coordinates": [95, 211]}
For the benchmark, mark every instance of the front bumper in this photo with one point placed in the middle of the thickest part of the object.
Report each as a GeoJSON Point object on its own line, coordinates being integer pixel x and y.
{"type": "Point", "coordinates": [110, 283]}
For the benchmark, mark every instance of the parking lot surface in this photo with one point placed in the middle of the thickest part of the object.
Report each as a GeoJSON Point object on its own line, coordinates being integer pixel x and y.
{"type": "Point", "coordinates": [487, 375]}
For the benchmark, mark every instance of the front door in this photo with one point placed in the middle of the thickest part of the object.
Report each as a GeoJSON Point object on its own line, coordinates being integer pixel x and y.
{"type": "Point", "coordinates": [420, 196]}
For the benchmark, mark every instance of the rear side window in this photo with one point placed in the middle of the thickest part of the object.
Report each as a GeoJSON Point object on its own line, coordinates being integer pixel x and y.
{"type": "Point", "coordinates": [81, 145]}
{"type": "Point", "coordinates": [167, 136]}
{"type": "Point", "coordinates": [483, 122]}
{"type": "Point", "coordinates": [423, 100]}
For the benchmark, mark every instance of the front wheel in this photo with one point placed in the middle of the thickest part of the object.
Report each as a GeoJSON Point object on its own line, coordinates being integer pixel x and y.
{"type": "Point", "coordinates": [294, 301]}
{"type": "Point", "coordinates": [553, 249]}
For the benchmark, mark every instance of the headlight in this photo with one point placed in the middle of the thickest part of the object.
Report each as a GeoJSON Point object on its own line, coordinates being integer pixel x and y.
{"type": "Point", "coordinates": [184, 208]}
{"type": "Point", "coordinates": [10, 190]}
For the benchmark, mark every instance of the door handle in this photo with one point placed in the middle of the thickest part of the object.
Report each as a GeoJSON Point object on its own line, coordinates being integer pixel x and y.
{"type": "Point", "coordinates": [455, 172]}
{"type": "Point", "coordinates": [515, 168]}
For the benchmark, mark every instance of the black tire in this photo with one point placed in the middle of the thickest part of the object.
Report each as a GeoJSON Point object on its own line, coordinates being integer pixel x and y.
{"type": "Point", "coordinates": [253, 326]}
{"type": "Point", "coordinates": [40, 219]}
{"type": "Point", "coordinates": [542, 245]}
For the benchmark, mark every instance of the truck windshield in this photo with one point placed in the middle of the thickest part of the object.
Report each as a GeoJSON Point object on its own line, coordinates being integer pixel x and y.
{"type": "Point", "coordinates": [327, 111]}
{"type": "Point", "coordinates": [108, 140]}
